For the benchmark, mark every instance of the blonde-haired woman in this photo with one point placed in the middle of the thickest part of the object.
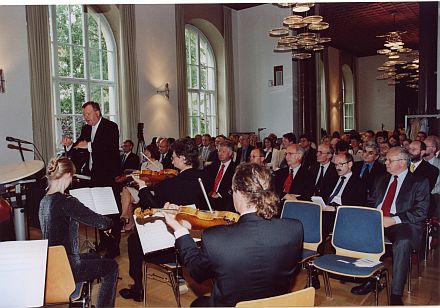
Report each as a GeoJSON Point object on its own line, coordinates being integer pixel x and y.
{"type": "Point", "coordinates": [60, 215]}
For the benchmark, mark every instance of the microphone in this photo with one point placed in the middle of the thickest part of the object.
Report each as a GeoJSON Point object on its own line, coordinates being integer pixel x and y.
{"type": "Point", "coordinates": [14, 147]}
{"type": "Point", "coordinates": [12, 139]}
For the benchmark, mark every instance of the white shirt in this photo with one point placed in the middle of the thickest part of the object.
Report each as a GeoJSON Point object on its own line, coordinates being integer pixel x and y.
{"type": "Point", "coordinates": [92, 138]}
{"type": "Point", "coordinates": [393, 210]}
{"type": "Point", "coordinates": [324, 171]}
{"type": "Point", "coordinates": [337, 199]}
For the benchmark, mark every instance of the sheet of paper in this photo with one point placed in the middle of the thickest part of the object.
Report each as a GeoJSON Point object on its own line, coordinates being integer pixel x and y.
{"type": "Point", "coordinates": [22, 273]}
{"type": "Point", "coordinates": [154, 235]}
{"type": "Point", "coordinates": [365, 262]}
{"type": "Point", "coordinates": [104, 199]}
{"type": "Point", "coordinates": [319, 200]}
{"type": "Point", "coordinates": [85, 196]}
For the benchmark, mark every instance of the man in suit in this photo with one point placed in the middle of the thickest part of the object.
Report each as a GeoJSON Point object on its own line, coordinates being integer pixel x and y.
{"type": "Point", "coordinates": [205, 150]}
{"type": "Point", "coordinates": [294, 182]}
{"type": "Point", "coordinates": [369, 168]}
{"type": "Point", "coordinates": [219, 178]}
{"type": "Point", "coordinates": [129, 160]}
{"type": "Point", "coordinates": [324, 172]}
{"type": "Point", "coordinates": [253, 258]}
{"type": "Point", "coordinates": [244, 151]}
{"type": "Point", "coordinates": [419, 166]}
{"type": "Point", "coordinates": [309, 158]}
{"type": "Point", "coordinates": [213, 155]}
{"type": "Point", "coordinates": [100, 137]}
{"type": "Point", "coordinates": [257, 157]}
{"type": "Point", "coordinates": [288, 139]}
{"type": "Point", "coordinates": [165, 154]}
{"type": "Point", "coordinates": [431, 148]}
{"type": "Point", "coordinates": [403, 198]}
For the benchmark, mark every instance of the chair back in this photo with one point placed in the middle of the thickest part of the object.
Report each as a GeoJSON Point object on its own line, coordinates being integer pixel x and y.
{"type": "Point", "coordinates": [60, 283]}
{"type": "Point", "coordinates": [310, 215]}
{"type": "Point", "coordinates": [358, 232]}
{"type": "Point", "coordinates": [301, 298]}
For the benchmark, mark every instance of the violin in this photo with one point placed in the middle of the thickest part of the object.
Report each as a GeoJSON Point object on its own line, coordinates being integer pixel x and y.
{"type": "Point", "coordinates": [149, 176]}
{"type": "Point", "coordinates": [191, 218]}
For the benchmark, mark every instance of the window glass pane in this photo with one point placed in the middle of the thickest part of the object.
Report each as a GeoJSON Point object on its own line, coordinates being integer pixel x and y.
{"type": "Point", "coordinates": [76, 17]}
{"type": "Point", "coordinates": [79, 123]}
{"type": "Point", "coordinates": [95, 93]}
{"type": "Point", "coordinates": [65, 98]}
{"type": "Point", "coordinates": [80, 97]}
{"type": "Point", "coordinates": [93, 32]}
{"type": "Point", "coordinates": [63, 60]}
{"type": "Point", "coordinates": [78, 62]}
{"type": "Point", "coordinates": [62, 25]}
{"type": "Point", "coordinates": [211, 79]}
{"type": "Point", "coordinates": [203, 77]}
{"type": "Point", "coordinates": [103, 42]}
{"type": "Point", "coordinates": [194, 77]}
{"type": "Point", "coordinates": [94, 64]}
{"type": "Point", "coordinates": [64, 126]}
{"type": "Point", "coordinates": [104, 65]}
{"type": "Point", "coordinates": [105, 99]}
{"type": "Point", "coordinates": [203, 47]}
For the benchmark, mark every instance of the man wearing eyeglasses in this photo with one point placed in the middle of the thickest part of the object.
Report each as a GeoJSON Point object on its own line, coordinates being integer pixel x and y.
{"type": "Point", "coordinates": [369, 168]}
{"type": "Point", "coordinates": [324, 172]}
{"type": "Point", "coordinates": [293, 182]}
{"type": "Point", "coordinates": [257, 157]}
{"type": "Point", "coordinates": [403, 198]}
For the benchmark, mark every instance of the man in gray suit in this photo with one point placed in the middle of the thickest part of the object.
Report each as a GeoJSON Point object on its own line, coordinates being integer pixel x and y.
{"type": "Point", "coordinates": [403, 198]}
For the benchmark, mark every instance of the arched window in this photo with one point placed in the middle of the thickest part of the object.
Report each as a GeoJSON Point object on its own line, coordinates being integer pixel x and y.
{"type": "Point", "coordinates": [83, 66]}
{"type": "Point", "coordinates": [201, 76]}
{"type": "Point", "coordinates": [348, 98]}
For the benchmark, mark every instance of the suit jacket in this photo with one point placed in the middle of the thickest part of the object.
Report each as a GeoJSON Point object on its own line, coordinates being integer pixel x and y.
{"type": "Point", "coordinates": [167, 161]}
{"type": "Point", "coordinates": [213, 156]}
{"type": "Point", "coordinates": [412, 201]}
{"type": "Point", "coordinates": [131, 162]}
{"type": "Point", "coordinates": [224, 189]}
{"type": "Point", "coordinates": [253, 258]}
{"type": "Point", "coordinates": [309, 158]}
{"type": "Point", "coordinates": [105, 152]}
{"type": "Point", "coordinates": [436, 163]}
{"type": "Point", "coordinates": [247, 156]}
{"type": "Point", "coordinates": [329, 180]}
{"type": "Point", "coordinates": [355, 192]}
{"type": "Point", "coordinates": [183, 189]}
{"type": "Point", "coordinates": [302, 183]}
{"type": "Point", "coordinates": [377, 170]}
{"type": "Point", "coordinates": [428, 171]}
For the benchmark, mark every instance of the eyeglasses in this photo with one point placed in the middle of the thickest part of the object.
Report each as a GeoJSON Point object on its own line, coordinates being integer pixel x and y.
{"type": "Point", "coordinates": [369, 152]}
{"type": "Point", "coordinates": [321, 153]}
{"type": "Point", "coordinates": [341, 164]}
{"type": "Point", "coordinates": [392, 160]}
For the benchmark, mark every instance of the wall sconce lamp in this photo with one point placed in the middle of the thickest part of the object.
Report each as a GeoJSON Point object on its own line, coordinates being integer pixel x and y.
{"type": "Point", "coordinates": [165, 92]}
{"type": "Point", "coordinates": [2, 82]}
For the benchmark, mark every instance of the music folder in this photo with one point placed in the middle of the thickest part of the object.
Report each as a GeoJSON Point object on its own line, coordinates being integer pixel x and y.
{"type": "Point", "coordinates": [99, 199]}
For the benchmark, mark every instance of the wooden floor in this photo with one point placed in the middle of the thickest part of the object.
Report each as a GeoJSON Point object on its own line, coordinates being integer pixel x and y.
{"type": "Point", "coordinates": [425, 290]}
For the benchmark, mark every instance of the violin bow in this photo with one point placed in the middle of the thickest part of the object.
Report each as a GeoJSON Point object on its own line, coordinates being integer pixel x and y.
{"type": "Point", "coordinates": [153, 162]}
{"type": "Point", "coordinates": [205, 195]}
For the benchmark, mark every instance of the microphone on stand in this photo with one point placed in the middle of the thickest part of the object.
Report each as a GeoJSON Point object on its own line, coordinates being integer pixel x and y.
{"type": "Point", "coordinates": [21, 149]}
{"type": "Point", "coordinates": [12, 139]}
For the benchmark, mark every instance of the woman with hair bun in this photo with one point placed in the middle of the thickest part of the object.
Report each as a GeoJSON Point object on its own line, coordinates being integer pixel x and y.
{"type": "Point", "coordinates": [254, 258]}
{"type": "Point", "coordinates": [60, 215]}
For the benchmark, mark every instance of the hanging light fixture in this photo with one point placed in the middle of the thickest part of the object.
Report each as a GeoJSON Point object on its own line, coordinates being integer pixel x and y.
{"type": "Point", "coordinates": [402, 63]}
{"type": "Point", "coordinates": [295, 36]}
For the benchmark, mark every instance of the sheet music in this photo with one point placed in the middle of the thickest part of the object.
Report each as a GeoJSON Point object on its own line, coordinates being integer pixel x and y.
{"type": "Point", "coordinates": [319, 200]}
{"type": "Point", "coordinates": [23, 273]}
{"type": "Point", "coordinates": [99, 199]}
{"type": "Point", "coordinates": [154, 235]}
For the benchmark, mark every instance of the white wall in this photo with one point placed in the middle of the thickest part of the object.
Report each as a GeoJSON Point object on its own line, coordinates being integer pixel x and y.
{"type": "Point", "coordinates": [156, 54]}
{"type": "Point", "coordinates": [259, 105]}
{"type": "Point", "coordinates": [376, 98]}
{"type": "Point", "coordinates": [15, 103]}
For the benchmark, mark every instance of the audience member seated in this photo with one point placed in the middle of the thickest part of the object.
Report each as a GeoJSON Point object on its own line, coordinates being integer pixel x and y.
{"type": "Point", "coordinates": [129, 160]}
{"type": "Point", "coordinates": [431, 149]}
{"type": "Point", "coordinates": [421, 167]}
{"type": "Point", "coordinates": [60, 215]}
{"type": "Point", "coordinates": [205, 150]}
{"type": "Point", "coordinates": [183, 189]}
{"type": "Point", "coordinates": [271, 156]}
{"type": "Point", "coordinates": [213, 155]}
{"type": "Point", "coordinates": [288, 138]}
{"type": "Point", "coordinates": [130, 195]}
{"type": "Point", "coordinates": [257, 157]}
{"type": "Point", "coordinates": [324, 172]}
{"type": "Point", "coordinates": [309, 158]}
{"type": "Point", "coordinates": [403, 198]}
{"type": "Point", "coordinates": [219, 178]}
{"type": "Point", "coordinates": [244, 151]}
{"type": "Point", "coordinates": [166, 154]}
{"type": "Point", "coordinates": [294, 182]}
{"type": "Point", "coordinates": [256, 257]}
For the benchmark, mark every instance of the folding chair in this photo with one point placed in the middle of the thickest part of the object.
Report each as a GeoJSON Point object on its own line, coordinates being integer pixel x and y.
{"type": "Point", "coordinates": [358, 233]}
{"type": "Point", "coordinates": [301, 298]}
{"type": "Point", "coordinates": [310, 215]}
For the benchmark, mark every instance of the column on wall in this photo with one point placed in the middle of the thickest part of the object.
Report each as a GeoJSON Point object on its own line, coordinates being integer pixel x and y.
{"type": "Point", "coordinates": [229, 63]}
{"type": "Point", "coordinates": [181, 70]}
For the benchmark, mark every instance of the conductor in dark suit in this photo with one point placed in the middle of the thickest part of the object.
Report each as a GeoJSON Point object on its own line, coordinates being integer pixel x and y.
{"type": "Point", "coordinates": [129, 160]}
{"type": "Point", "coordinates": [295, 181]}
{"type": "Point", "coordinates": [100, 137]}
{"type": "Point", "coordinates": [183, 189]}
{"type": "Point", "coordinates": [324, 172]}
{"type": "Point", "coordinates": [403, 198]}
{"type": "Point", "coordinates": [253, 258]}
{"type": "Point", "coordinates": [219, 178]}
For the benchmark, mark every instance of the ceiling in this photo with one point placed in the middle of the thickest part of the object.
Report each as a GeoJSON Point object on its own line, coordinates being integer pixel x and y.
{"type": "Point", "coordinates": [355, 25]}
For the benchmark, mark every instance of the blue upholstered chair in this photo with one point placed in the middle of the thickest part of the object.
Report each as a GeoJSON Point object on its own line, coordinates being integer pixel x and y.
{"type": "Point", "coordinates": [310, 215]}
{"type": "Point", "coordinates": [358, 233]}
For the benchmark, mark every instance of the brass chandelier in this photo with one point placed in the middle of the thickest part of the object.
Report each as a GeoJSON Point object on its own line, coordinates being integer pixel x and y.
{"type": "Point", "coordinates": [305, 37]}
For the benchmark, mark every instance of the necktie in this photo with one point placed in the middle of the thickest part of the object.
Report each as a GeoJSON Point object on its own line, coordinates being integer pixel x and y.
{"type": "Point", "coordinates": [288, 182]}
{"type": "Point", "coordinates": [412, 167]}
{"type": "Point", "coordinates": [337, 190]}
{"type": "Point", "coordinates": [319, 182]}
{"type": "Point", "coordinates": [124, 157]}
{"type": "Point", "coordinates": [243, 155]}
{"type": "Point", "coordinates": [386, 205]}
{"type": "Point", "coordinates": [161, 157]}
{"type": "Point", "coordinates": [364, 169]}
{"type": "Point", "coordinates": [218, 178]}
